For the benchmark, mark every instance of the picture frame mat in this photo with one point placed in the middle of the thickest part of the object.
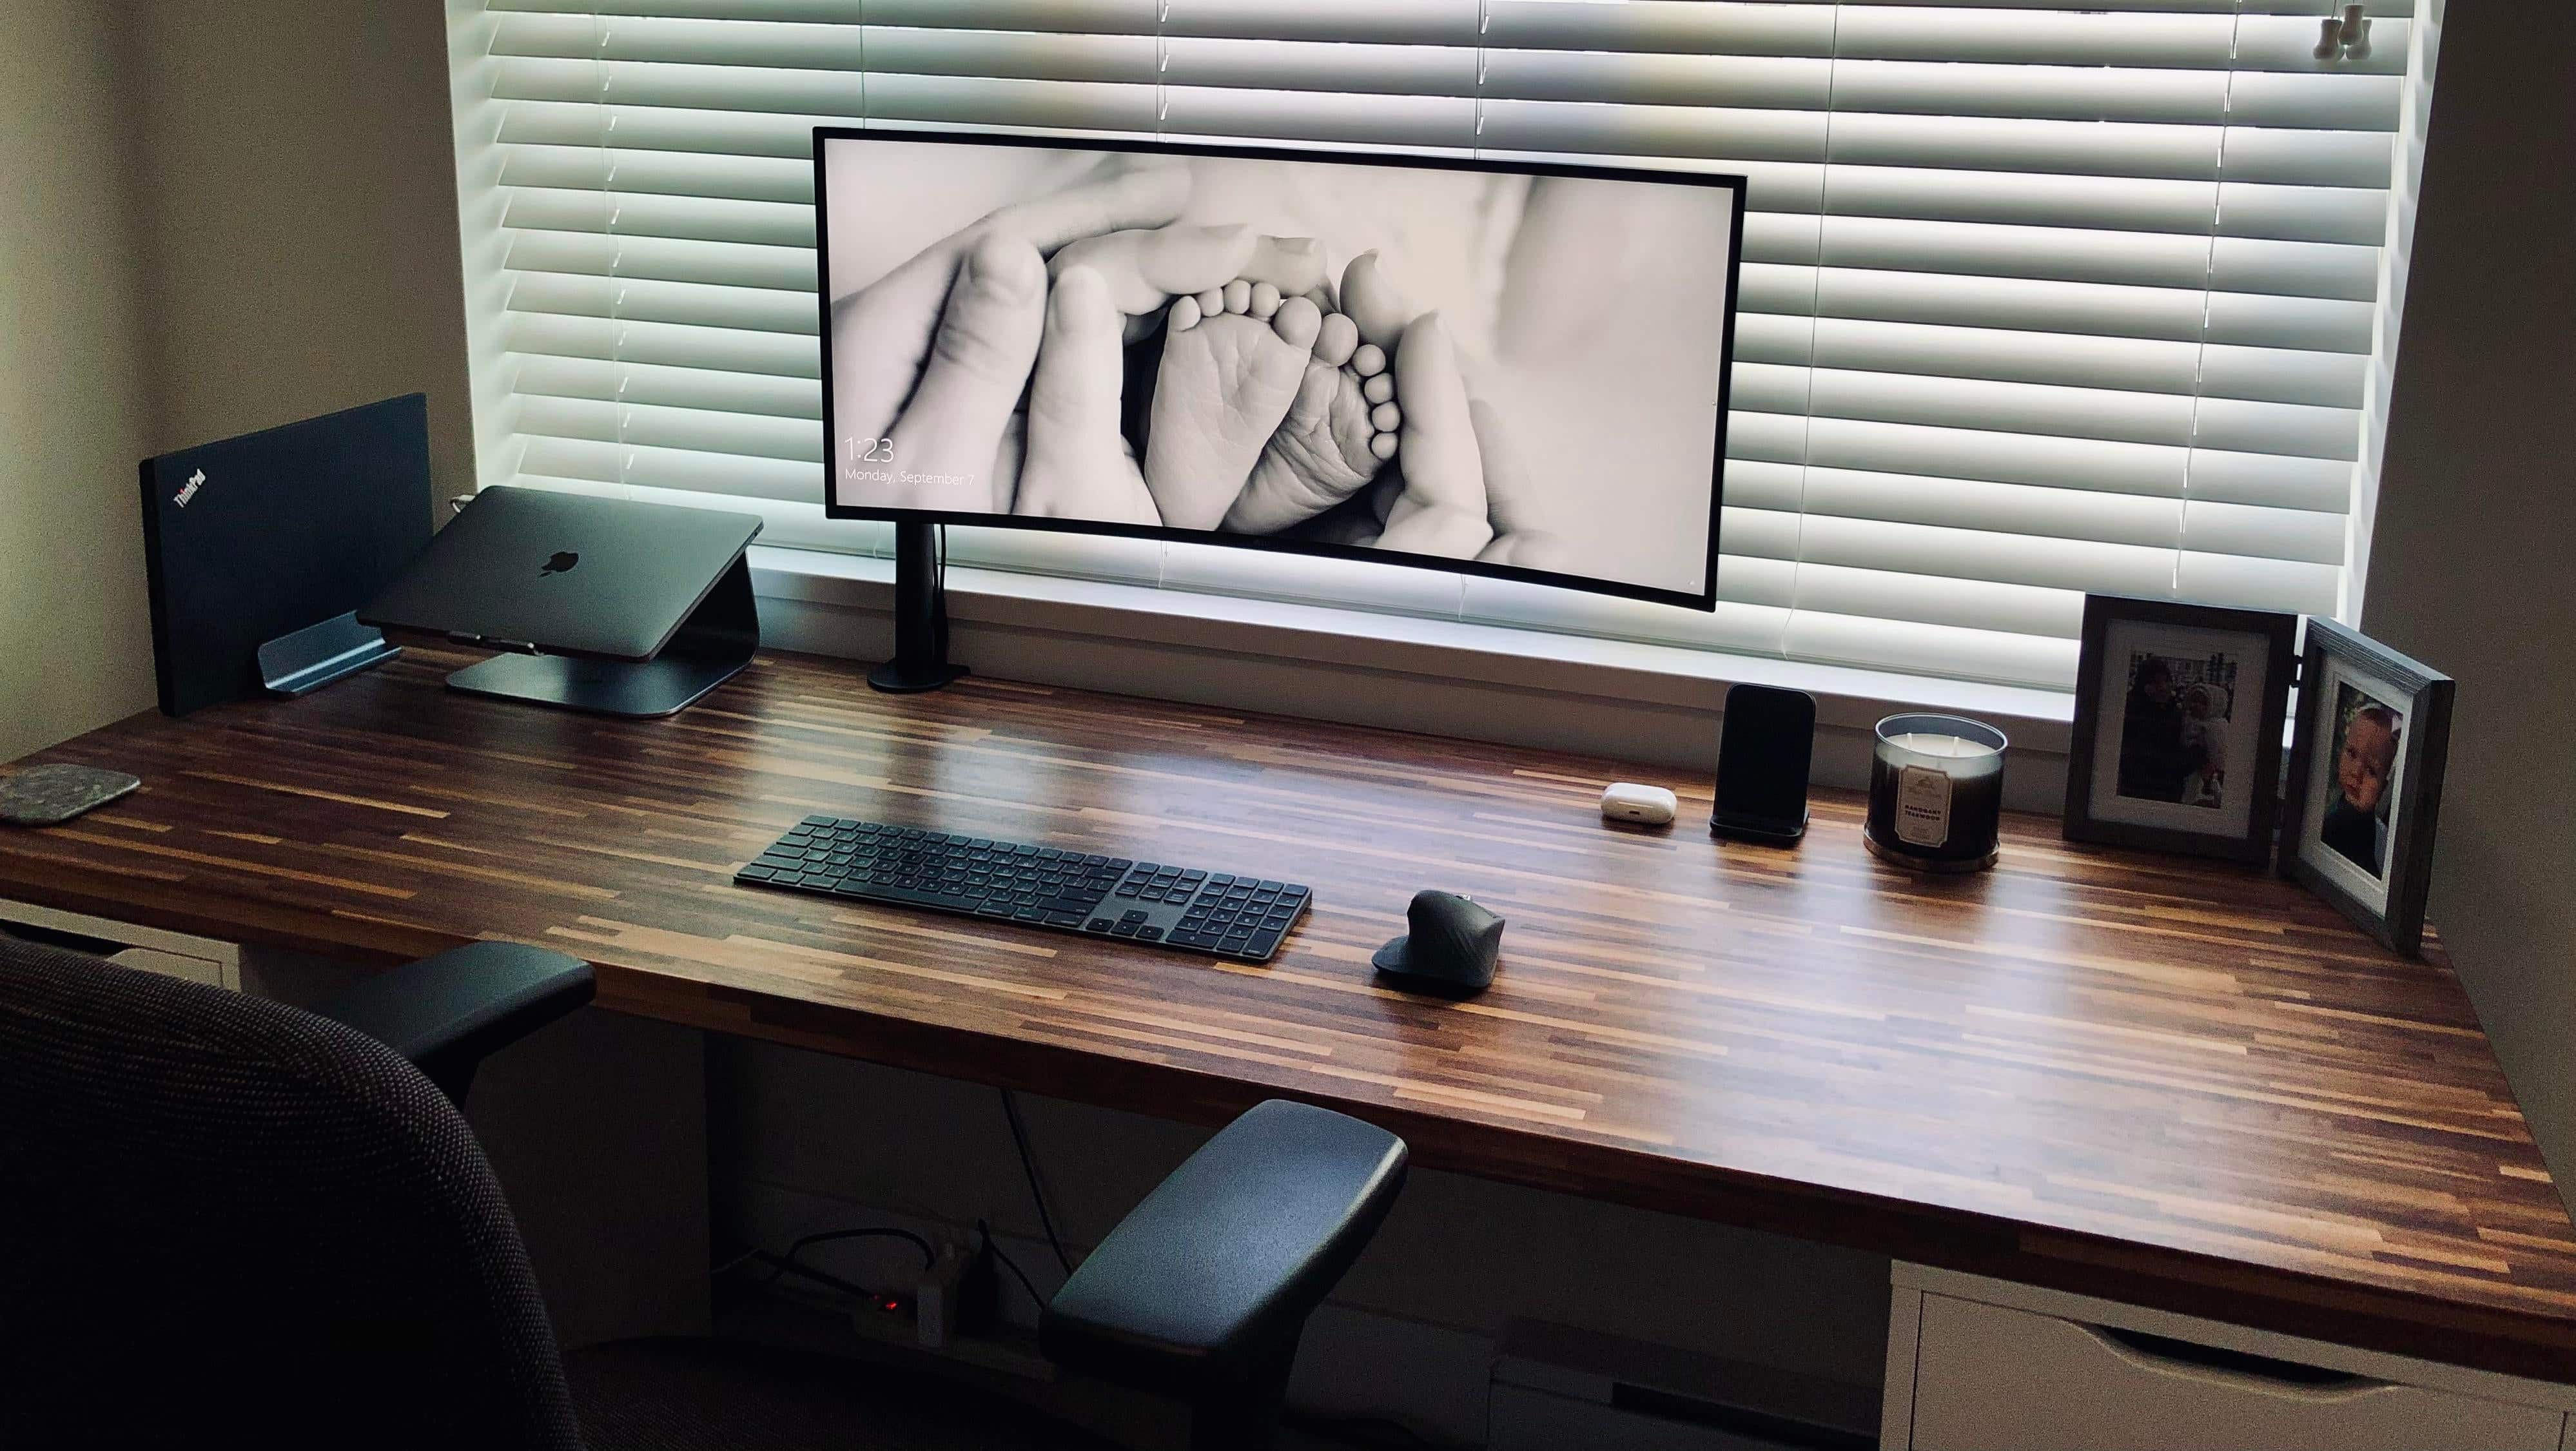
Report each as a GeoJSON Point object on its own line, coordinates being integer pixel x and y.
{"type": "Point", "coordinates": [2251, 651]}
{"type": "Point", "coordinates": [2371, 892]}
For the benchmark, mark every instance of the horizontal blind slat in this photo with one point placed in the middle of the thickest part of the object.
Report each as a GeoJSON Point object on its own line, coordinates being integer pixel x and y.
{"type": "Point", "coordinates": [695, 430]}
{"type": "Point", "coordinates": [1987, 606]}
{"type": "Point", "coordinates": [688, 470]}
{"type": "Point", "coordinates": [673, 344]}
{"type": "Point", "coordinates": [631, 299]}
{"type": "Point", "coordinates": [673, 259]}
{"type": "Point", "coordinates": [2049, 305]}
{"type": "Point", "coordinates": [1054, 16]}
{"type": "Point", "coordinates": [1882, 643]}
{"type": "Point", "coordinates": [540, 375]}
{"type": "Point", "coordinates": [705, 219]}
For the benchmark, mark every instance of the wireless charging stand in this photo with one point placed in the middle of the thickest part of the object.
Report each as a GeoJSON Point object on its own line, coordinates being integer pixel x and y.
{"type": "Point", "coordinates": [717, 639]}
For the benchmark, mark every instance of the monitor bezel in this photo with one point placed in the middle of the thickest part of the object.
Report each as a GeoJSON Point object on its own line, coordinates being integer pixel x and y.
{"type": "Point", "coordinates": [1706, 597]}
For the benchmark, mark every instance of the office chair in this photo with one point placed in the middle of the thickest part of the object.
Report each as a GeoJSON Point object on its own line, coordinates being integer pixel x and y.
{"type": "Point", "coordinates": [225, 1221]}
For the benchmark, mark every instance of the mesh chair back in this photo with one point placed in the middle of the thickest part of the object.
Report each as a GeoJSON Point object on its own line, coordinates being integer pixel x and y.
{"type": "Point", "coordinates": [224, 1221]}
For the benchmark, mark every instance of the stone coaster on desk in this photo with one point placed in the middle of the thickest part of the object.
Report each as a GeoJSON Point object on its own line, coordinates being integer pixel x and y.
{"type": "Point", "coordinates": [51, 795]}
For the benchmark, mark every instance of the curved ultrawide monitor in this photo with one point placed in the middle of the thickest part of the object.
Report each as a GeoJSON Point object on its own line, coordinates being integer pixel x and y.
{"type": "Point", "coordinates": [1516, 370]}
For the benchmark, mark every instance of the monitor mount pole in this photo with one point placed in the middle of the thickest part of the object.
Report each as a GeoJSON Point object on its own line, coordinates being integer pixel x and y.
{"type": "Point", "coordinates": [920, 616]}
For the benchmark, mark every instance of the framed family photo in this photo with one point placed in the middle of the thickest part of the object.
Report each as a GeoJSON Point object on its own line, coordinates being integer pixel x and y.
{"type": "Point", "coordinates": [2365, 781]}
{"type": "Point", "coordinates": [2179, 710]}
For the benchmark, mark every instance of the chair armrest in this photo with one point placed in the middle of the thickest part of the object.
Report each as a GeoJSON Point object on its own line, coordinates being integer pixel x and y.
{"type": "Point", "coordinates": [1202, 1291]}
{"type": "Point", "coordinates": [447, 1013]}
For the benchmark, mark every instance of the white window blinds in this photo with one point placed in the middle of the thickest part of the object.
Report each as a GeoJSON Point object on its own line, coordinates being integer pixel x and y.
{"type": "Point", "coordinates": [2037, 299]}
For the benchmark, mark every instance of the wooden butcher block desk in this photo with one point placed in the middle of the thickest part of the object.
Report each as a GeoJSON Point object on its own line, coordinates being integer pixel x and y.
{"type": "Point", "coordinates": [2176, 1085]}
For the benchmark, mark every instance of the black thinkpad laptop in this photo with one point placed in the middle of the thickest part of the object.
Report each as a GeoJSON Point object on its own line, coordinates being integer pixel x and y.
{"type": "Point", "coordinates": [273, 533]}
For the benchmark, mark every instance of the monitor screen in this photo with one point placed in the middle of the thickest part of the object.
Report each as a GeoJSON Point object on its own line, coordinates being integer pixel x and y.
{"type": "Point", "coordinates": [1508, 369]}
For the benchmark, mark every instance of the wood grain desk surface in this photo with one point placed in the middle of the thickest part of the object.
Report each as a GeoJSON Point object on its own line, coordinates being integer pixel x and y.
{"type": "Point", "coordinates": [2116, 1073]}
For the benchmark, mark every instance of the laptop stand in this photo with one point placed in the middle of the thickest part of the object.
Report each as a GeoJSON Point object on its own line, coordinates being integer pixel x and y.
{"type": "Point", "coordinates": [717, 639]}
{"type": "Point", "coordinates": [313, 657]}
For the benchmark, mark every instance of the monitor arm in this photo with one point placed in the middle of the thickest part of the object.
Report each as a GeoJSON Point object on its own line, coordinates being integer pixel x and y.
{"type": "Point", "coordinates": [920, 615]}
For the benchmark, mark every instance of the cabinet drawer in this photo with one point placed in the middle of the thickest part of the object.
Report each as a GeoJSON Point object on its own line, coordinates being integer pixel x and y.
{"type": "Point", "coordinates": [171, 964]}
{"type": "Point", "coordinates": [1993, 1379]}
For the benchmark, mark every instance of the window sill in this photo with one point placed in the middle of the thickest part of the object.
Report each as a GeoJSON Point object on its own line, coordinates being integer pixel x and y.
{"type": "Point", "coordinates": [1577, 667]}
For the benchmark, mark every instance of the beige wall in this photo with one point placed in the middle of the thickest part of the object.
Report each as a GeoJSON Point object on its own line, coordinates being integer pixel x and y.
{"type": "Point", "coordinates": [75, 641]}
{"type": "Point", "coordinates": [298, 212]}
{"type": "Point", "coordinates": [215, 216]}
{"type": "Point", "coordinates": [2475, 567]}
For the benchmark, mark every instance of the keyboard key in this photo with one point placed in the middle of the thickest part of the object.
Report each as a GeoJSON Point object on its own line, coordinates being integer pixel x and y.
{"type": "Point", "coordinates": [754, 873]}
{"type": "Point", "coordinates": [1098, 924]}
{"type": "Point", "coordinates": [1262, 944]}
{"type": "Point", "coordinates": [1123, 929]}
{"type": "Point", "coordinates": [1131, 916]}
{"type": "Point", "coordinates": [1064, 919]}
{"type": "Point", "coordinates": [1149, 934]}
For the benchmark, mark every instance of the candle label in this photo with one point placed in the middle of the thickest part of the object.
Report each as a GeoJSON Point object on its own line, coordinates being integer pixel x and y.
{"type": "Point", "coordinates": [1922, 806]}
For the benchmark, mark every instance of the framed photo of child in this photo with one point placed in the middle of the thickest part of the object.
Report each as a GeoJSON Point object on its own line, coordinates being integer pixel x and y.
{"type": "Point", "coordinates": [2365, 781]}
{"type": "Point", "coordinates": [2179, 710]}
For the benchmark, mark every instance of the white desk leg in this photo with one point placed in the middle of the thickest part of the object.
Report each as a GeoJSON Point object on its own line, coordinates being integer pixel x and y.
{"type": "Point", "coordinates": [1904, 1331]}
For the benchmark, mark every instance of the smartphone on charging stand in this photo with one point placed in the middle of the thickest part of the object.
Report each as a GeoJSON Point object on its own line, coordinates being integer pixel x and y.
{"type": "Point", "coordinates": [1764, 750]}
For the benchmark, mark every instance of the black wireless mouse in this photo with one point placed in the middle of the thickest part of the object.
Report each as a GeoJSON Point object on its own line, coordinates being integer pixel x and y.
{"type": "Point", "coordinates": [1453, 947]}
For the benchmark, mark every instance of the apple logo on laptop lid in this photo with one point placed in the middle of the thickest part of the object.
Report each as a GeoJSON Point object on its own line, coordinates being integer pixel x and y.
{"type": "Point", "coordinates": [563, 561]}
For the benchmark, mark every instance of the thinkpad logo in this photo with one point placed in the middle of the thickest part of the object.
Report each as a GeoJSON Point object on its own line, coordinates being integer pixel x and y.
{"type": "Point", "coordinates": [189, 489]}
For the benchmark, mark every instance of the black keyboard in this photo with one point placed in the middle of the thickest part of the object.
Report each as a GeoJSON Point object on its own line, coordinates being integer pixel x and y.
{"type": "Point", "coordinates": [1104, 896]}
